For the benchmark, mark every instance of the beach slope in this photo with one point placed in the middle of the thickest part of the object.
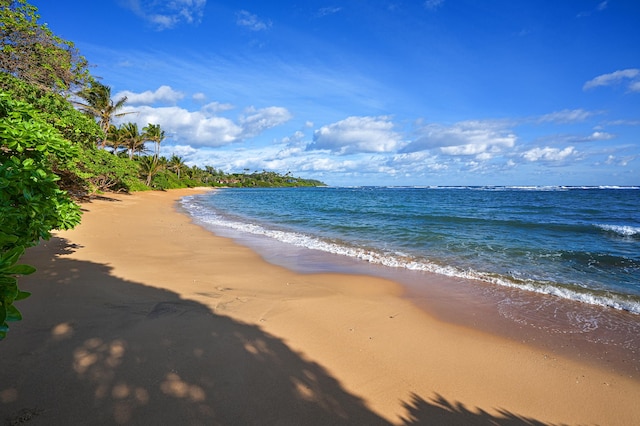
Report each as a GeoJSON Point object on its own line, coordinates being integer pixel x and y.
{"type": "Point", "coordinates": [140, 317]}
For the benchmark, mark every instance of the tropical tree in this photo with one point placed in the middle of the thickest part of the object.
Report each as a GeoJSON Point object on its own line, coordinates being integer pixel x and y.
{"type": "Point", "coordinates": [153, 133]}
{"type": "Point", "coordinates": [131, 138]}
{"type": "Point", "coordinates": [176, 164]}
{"type": "Point", "coordinates": [98, 104]}
{"type": "Point", "coordinates": [150, 166]}
{"type": "Point", "coordinates": [31, 52]}
{"type": "Point", "coordinates": [114, 139]}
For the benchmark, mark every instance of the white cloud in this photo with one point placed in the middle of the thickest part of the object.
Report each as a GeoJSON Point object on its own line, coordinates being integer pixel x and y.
{"type": "Point", "coordinates": [167, 14]}
{"type": "Point", "coordinates": [199, 97]}
{"type": "Point", "coordinates": [549, 154]}
{"type": "Point", "coordinates": [480, 138]}
{"type": "Point", "coordinates": [620, 161]}
{"type": "Point", "coordinates": [162, 94]}
{"type": "Point", "coordinates": [615, 77]}
{"type": "Point", "coordinates": [417, 162]}
{"type": "Point", "coordinates": [357, 134]}
{"type": "Point", "coordinates": [256, 121]}
{"type": "Point", "coordinates": [204, 127]}
{"type": "Point", "coordinates": [179, 150]}
{"type": "Point", "coordinates": [623, 123]}
{"type": "Point", "coordinates": [328, 11]}
{"type": "Point", "coordinates": [251, 21]}
{"type": "Point", "coordinates": [599, 136]}
{"type": "Point", "coordinates": [216, 107]}
{"type": "Point", "coordinates": [565, 116]}
{"type": "Point", "coordinates": [194, 127]}
{"type": "Point", "coordinates": [297, 138]}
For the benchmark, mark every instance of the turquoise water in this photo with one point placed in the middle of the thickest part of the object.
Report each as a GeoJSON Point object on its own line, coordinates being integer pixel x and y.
{"type": "Point", "coordinates": [574, 243]}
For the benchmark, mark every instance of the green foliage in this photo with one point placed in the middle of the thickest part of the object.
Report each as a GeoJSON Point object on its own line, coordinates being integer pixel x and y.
{"type": "Point", "coordinates": [166, 179]}
{"type": "Point", "coordinates": [98, 104]}
{"type": "Point", "coordinates": [31, 52]}
{"type": "Point", "coordinates": [102, 171]}
{"type": "Point", "coordinates": [31, 203]}
{"type": "Point", "coordinates": [53, 108]}
{"type": "Point", "coordinates": [150, 166]}
{"type": "Point", "coordinates": [9, 291]}
{"type": "Point", "coordinates": [266, 179]}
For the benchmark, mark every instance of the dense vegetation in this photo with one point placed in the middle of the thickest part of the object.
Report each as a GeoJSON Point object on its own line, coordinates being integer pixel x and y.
{"type": "Point", "coordinates": [58, 145]}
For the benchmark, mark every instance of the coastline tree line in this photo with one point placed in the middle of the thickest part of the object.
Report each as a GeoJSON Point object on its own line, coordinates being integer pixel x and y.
{"type": "Point", "coordinates": [58, 146]}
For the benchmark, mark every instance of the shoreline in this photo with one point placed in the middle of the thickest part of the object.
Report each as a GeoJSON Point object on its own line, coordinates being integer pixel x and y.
{"type": "Point", "coordinates": [600, 335]}
{"type": "Point", "coordinates": [139, 311]}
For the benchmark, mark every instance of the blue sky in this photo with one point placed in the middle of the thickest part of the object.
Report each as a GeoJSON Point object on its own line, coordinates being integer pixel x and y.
{"type": "Point", "coordinates": [377, 92]}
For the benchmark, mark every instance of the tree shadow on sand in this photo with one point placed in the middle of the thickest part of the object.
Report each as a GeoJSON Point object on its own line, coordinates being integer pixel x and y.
{"type": "Point", "coordinates": [440, 411]}
{"type": "Point", "coordinates": [96, 349]}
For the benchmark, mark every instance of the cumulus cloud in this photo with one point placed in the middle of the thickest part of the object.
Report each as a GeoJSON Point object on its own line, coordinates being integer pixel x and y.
{"type": "Point", "coordinates": [167, 14]}
{"type": "Point", "coordinates": [194, 127]}
{"type": "Point", "coordinates": [256, 121]}
{"type": "Point", "coordinates": [357, 134]}
{"type": "Point", "coordinates": [179, 150]}
{"type": "Point", "coordinates": [203, 127]}
{"type": "Point", "coordinates": [599, 136]}
{"type": "Point", "coordinates": [216, 107]}
{"type": "Point", "coordinates": [480, 138]}
{"type": "Point", "coordinates": [251, 21]}
{"type": "Point", "coordinates": [162, 94]}
{"type": "Point", "coordinates": [549, 154]}
{"type": "Point", "coordinates": [616, 77]}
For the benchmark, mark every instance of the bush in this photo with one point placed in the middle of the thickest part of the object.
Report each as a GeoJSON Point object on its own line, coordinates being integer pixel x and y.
{"type": "Point", "coordinates": [31, 203]}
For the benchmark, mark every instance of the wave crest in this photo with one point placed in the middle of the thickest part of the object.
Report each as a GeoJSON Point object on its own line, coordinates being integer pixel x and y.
{"type": "Point", "coordinates": [624, 230]}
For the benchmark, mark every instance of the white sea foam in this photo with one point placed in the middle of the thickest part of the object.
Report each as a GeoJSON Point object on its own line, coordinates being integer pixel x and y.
{"type": "Point", "coordinates": [397, 260]}
{"type": "Point", "coordinates": [627, 231]}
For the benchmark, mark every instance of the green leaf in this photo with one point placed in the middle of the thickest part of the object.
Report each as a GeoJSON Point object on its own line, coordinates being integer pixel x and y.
{"type": "Point", "coordinates": [22, 295]}
{"type": "Point", "coordinates": [13, 314]}
{"type": "Point", "coordinates": [20, 270]}
{"type": "Point", "coordinates": [9, 291]}
{"type": "Point", "coordinates": [6, 239]}
{"type": "Point", "coordinates": [6, 281]}
{"type": "Point", "coordinates": [10, 257]}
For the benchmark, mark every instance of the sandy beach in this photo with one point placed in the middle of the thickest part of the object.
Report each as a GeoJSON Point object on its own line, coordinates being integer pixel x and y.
{"type": "Point", "coordinates": [140, 317]}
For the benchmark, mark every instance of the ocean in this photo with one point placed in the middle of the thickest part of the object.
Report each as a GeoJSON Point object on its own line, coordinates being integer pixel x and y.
{"type": "Point", "coordinates": [578, 244]}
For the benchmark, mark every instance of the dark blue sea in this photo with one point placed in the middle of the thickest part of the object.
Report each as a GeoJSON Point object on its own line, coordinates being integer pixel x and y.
{"type": "Point", "coordinates": [577, 243]}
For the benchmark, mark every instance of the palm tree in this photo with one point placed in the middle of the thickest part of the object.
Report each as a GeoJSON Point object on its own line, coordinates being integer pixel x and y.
{"type": "Point", "coordinates": [150, 166]}
{"type": "Point", "coordinates": [100, 105]}
{"type": "Point", "coordinates": [132, 138]}
{"type": "Point", "coordinates": [176, 164]}
{"type": "Point", "coordinates": [114, 139]}
{"type": "Point", "coordinates": [153, 133]}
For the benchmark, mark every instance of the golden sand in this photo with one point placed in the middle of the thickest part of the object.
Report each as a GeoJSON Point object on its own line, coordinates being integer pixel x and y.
{"type": "Point", "coordinates": [140, 317]}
